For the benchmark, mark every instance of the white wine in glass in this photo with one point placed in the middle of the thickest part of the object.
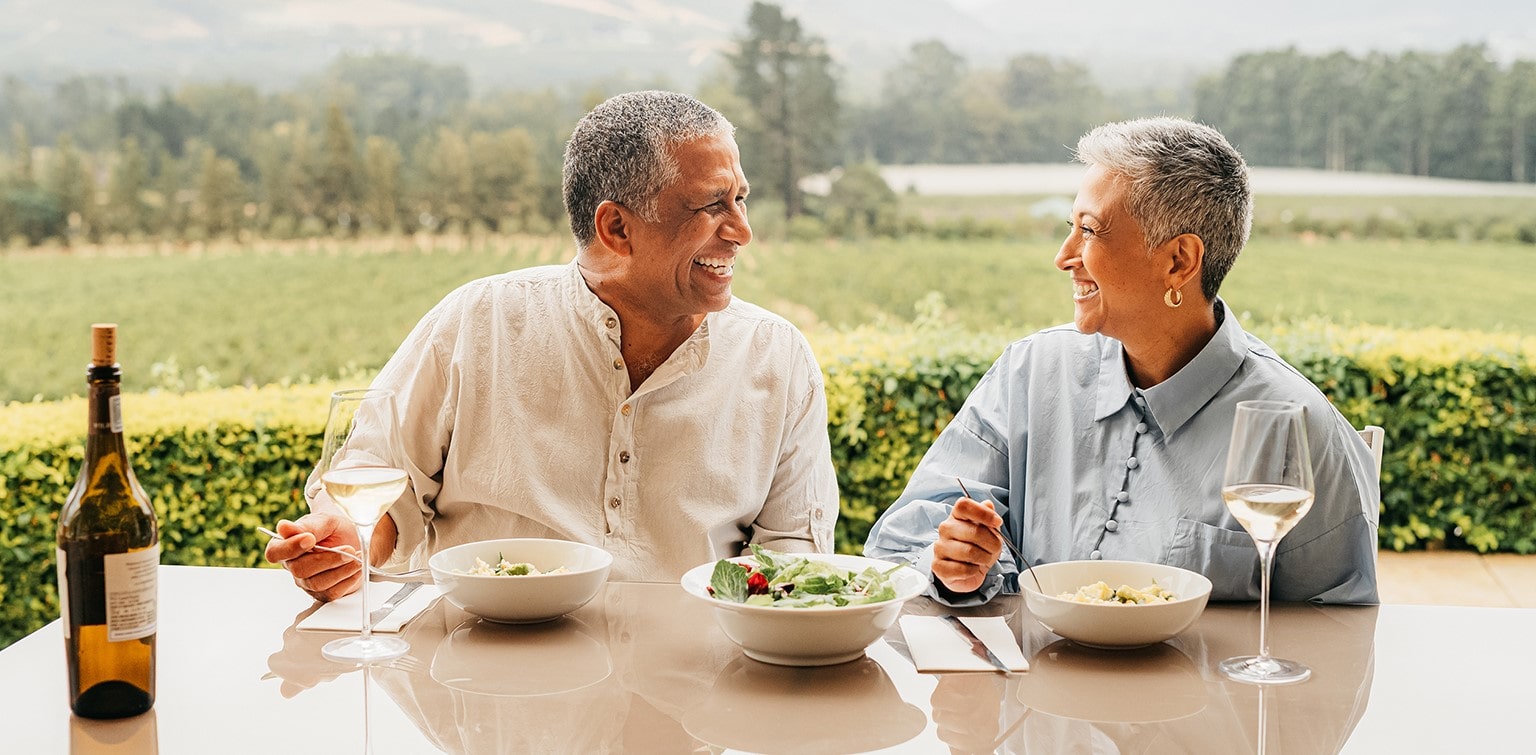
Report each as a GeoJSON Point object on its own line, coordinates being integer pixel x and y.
{"type": "Point", "coordinates": [1268, 488]}
{"type": "Point", "coordinates": [363, 470]}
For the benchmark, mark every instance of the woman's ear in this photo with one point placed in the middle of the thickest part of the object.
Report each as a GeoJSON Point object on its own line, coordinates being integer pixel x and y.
{"type": "Point", "coordinates": [1186, 258]}
{"type": "Point", "coordinates": [613, 230]}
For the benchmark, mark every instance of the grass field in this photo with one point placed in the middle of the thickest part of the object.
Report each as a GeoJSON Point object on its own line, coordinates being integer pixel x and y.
{"type": "Point", "coordinates": [270, 312]}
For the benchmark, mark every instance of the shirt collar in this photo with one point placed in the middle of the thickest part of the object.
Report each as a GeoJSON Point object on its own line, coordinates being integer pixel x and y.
{"type": "Point", "coordinates": [688, 358]}
{"type": "Point", "coordinates": [1174, 401]}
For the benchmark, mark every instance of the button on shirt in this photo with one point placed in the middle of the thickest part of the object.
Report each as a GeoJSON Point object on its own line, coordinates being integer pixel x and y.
{"type": "Point", "coordinates": [517, 424]}
{"type": "Point", "coordinates": [1083, 465]}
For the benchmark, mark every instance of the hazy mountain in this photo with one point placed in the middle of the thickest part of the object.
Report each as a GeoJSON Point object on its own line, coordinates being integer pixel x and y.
{"type": "Point", "coordinates": [524, 43]}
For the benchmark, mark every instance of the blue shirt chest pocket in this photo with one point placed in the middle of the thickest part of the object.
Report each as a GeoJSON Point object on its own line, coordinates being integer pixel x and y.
{"type": "Point", "coordinates": [1228, 558]}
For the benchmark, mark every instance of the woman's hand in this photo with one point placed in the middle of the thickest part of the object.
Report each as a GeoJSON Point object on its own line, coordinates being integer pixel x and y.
{"type": "Point", "coordinates": [968, 545]}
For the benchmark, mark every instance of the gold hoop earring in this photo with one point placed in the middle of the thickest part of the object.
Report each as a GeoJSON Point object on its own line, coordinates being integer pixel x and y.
{"type": "Point", "coordinates": [1173, 298]}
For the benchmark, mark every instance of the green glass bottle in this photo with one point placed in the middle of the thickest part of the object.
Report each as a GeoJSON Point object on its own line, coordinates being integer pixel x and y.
{"type": "Point", "coordinates": [108, 560]}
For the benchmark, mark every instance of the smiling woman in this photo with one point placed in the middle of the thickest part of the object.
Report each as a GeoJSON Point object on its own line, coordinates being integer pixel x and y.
{"type": "Point", "coordinates": [1098, 442]}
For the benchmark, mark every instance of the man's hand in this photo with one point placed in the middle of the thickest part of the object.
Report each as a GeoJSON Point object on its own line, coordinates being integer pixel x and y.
{"type": "Point", "coordinates": [968, 545]}
{"type": "Point", "coordinates": [326, 576]}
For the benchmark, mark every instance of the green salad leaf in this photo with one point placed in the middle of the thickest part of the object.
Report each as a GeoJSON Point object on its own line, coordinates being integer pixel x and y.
{"type": "Point", "coordinates": [729, 581]}
{"type": "Point", "coordinates": [784, 580]}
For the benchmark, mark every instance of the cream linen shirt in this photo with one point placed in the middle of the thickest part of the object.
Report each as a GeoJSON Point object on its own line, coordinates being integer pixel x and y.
{"type": "Point", "coordinates": [518, 421]}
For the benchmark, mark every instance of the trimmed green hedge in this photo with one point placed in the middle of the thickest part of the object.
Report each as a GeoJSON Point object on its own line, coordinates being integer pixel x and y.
{"type": "Point", "coordinates": [1459, 411]}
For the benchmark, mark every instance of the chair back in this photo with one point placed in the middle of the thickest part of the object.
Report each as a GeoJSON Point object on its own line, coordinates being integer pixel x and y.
{"type": "Point", "coordinates": [1374, 438]}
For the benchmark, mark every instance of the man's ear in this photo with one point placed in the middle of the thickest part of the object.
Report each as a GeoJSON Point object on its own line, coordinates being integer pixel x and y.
{"type": "Point", "coordinates": [1186, 258]}
{"type": "Point", "coordinates": [613, 227]}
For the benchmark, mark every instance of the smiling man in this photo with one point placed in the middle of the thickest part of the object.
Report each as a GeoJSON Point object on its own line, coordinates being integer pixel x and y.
{"type": "Point", "coordinates": [1107, 438]}
{"type": "Point", "coordinates": [626, 399]}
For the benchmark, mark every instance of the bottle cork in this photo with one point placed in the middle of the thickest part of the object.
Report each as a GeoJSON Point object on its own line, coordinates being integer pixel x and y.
{"type": "Point", "coordinates": [104, 343]}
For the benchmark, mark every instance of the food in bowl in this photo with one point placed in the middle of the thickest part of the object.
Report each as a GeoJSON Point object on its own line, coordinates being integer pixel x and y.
{"type": "Point", "coordinates": [505, 568]}
{"type": "Point", "coordinates": [813, 636]}
{"type": "Point", "coordinates": [1115, 625]}
{"type": "Point", "coordinates": [530, 598]}
{"type": "Point", "coordinates": [783, 580]}
{"type": "Point", "coordinates": [1101, 592]}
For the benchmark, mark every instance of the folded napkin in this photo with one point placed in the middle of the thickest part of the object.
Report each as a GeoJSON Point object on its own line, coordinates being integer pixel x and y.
{"type": "Point", "coordinates": [936, 646]}
{"type": "Point", "coordinates": [346, 614]}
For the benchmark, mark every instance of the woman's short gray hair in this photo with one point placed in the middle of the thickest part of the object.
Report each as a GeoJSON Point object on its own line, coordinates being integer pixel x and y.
{"type": "Point", "coordinates": [622, 151]}
{"type": "Point", "coordinates": [1185, 178]}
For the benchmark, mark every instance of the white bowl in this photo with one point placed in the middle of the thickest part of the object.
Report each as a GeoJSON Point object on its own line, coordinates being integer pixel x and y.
{"type": "Point", "coordinates": [817, 636]}
{"type": "Point", "coordinates": [527, 599]}
{"type": "Point", "coordinates": [1114, 625]}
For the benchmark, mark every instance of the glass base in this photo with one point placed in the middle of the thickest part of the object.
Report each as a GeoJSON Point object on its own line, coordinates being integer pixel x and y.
{"type": "Point", "coordinates": [1253, 669]}
{"type": "Point", "coordinates": [358, 650]}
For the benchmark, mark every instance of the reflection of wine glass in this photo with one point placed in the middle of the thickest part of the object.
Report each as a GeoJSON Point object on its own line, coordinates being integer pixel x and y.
{"type": "Point", "coordinates": [363, 471]}
{"type": "Point", "coordinates": [1268, 488]}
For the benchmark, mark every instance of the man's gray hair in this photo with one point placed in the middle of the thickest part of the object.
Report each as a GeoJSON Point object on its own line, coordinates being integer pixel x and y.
{"type": "Point", "coordinates": [1185, 178]}
{"type": "Point", "coordinates": [622, 151]}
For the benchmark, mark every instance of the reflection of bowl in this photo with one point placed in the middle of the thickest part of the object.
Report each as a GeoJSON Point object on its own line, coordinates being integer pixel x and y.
{"type": "Point", "coordinates": [527, 599]}
{"type": "Point", "coordinates": [495, 659]}
{"type": "Point", "coordinates": [1113, 625]}
{"type": "Point", "coordinates": [1153, 683]}
{"type": "Point", "coordinates": [756, 707]}
{"type": "Point", "coordinates": [817, 636]}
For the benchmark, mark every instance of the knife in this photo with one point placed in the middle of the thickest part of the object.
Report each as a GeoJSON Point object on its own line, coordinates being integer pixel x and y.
{"type": "Point", "coordinates": [978, 648]}
{"type": "Point", "coordinates": [393, 602]}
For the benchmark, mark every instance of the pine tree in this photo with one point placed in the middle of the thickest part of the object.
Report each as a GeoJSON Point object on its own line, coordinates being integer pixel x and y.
{"type": "Point", "coordinates": [786, 77]}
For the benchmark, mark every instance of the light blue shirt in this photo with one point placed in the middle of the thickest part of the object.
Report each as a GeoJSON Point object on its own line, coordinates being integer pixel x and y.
{"type": "Point", "coordinates": [1083, 465]}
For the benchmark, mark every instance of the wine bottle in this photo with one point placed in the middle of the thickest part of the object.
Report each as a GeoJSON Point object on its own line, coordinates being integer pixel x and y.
{"type": "Point", "coordinates": [108, 559]}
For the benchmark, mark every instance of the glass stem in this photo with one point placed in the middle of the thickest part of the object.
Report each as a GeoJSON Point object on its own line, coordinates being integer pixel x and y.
{"type": "Point", "coordinates": [1267, 557]}
{"type": "Point", "coordinates": [364, 534]}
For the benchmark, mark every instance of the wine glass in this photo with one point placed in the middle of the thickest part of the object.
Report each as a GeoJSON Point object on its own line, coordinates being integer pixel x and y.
{"type": "Point", "coordinates": [363, 470]}
{"type": "Point", "coordinates": [1268, 488]}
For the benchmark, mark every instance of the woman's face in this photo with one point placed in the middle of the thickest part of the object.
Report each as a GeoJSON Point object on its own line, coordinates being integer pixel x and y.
{"type": "Point", "coordinates": [1117, 286]}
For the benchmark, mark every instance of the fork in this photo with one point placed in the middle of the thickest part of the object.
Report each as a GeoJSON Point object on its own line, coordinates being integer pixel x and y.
{"type": "Point", "coordinates": [374, 575]}
{"type": "Point", "coordinates": [1014, 549]}
{"type": "Point", "coordinates": [337, 551]}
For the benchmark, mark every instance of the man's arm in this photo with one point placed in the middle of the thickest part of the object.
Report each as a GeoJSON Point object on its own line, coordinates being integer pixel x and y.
{"type": "Point", "coordinates": [801, 511]}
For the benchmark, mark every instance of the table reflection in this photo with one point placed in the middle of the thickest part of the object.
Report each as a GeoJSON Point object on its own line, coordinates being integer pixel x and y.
{"type": "Point", "coordinates": [762, 708]}
{"type": "Point", "coordinates": [1168, 697]}
{"type": "Point", "coordinates": [644, 668]}
{"type": "Point", "coordinates": [124, 736]}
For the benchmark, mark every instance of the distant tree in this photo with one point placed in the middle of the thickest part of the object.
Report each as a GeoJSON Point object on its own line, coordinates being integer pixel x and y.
{"type": "Point", "coordinates": [505, 176]}
{"type": "Point", "coordinates": [1516, 104]}
{"type": "Point", "coordinates": [126, 210]}
{"type": "Point", "coordinates": [72, 186]}
{"type": "Point", "coordinates": [445, 178]}
{"type": "Point", "coordinates": [397, 96]}
{"type": "Point", "coordinates": [786, 77]}
{"type": "Point", "coordinates": [220, 195]}
{"type": "Point", "coordinates": [381, 184]}
{"type": "Point", "coordinates": [338, 171]}
{"type": "Point", "coordinates": [861, 202]}
{"type": "Point", "coordinates": [1054, 102]}
{"type": "Point", "coordinates": [300, 171]}
{"type": "Point", "coordinates": [1461, 146]}
{"type": "Point", "coordinates": [167, 200]}
{"type": "Point", "coordinates": [920, 117]}
{"type": "Point", "coordinates": [22, 174]}
{"type": "Point", "coordinates": [225, 116]}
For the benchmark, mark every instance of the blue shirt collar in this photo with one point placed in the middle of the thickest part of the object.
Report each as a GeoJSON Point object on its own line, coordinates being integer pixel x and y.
{"type": "Point", "coordinates": [1172, 402]}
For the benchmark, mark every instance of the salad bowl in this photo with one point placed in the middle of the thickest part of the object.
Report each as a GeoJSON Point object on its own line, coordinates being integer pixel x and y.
{"type": "Point", "coordinates": [809, 635]}
{"type": "Point", "coordinates": [525, 599]}
{"type": "Point", "coordinates": [1115, 625]}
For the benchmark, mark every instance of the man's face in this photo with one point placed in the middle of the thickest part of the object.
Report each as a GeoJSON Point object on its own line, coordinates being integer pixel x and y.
{"type": "Point", "coordinates": [682, 262]}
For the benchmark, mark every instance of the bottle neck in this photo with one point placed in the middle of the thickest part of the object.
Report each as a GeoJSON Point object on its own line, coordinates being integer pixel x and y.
{"type": "Point", "coordinates": [104, 433]}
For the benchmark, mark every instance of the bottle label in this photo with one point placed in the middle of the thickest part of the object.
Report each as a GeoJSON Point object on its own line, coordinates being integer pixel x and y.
{"type": "Point", "coordinates": [61, 566]}
{"type": "Point", "coordinates": [131, 593]}
{"type": "Point", "coordinates": [117, 414]}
